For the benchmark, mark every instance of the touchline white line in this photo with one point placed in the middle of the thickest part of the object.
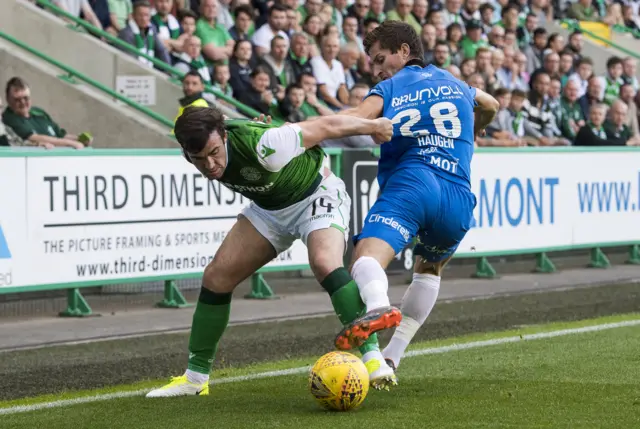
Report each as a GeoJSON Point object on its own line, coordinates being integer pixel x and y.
{"type": "Point", "coordinates": [304, 369]}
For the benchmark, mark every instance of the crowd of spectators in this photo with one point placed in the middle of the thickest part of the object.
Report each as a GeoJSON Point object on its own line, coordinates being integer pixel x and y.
{"type": "Point", "coordinates": [295, 59]}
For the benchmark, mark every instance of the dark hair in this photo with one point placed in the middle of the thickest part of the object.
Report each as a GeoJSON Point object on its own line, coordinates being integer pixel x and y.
{"type": "Point", "coordinates": [431, 12]}
{"type": "Point", "coordinates": [193, 73]}
{"type": "Point", "coordinates": [552, 38]}
{"type": "Point", "coordinates": [370, 21]}
{"type": "Point", "coordinates": [186, 13]}
{"type": "Point", "coordinates": [613, 61]}
{"type": "Point", "coordinates": [502, 91]}
{"type": "Point", "coordinates": [141, 3]}
{"type": "Point", "coordinates": [326, 30]}
{"type": "Point", "coordinates": [246, 9]}
{"type": "Point", "coordinates": [584, 60]}
{"type": "Point", "coordinates": [277, 7]}
{"type": "Point", "coordinates": [452, 27]}
{"type": "Point", "coordinates": [485, 6]}
{"type": "Point", "coordinates": [237, 46]}
{"type": "Point", "coordinates": [352, 16]}
{"type": "Point", "coordinates": [531, 15]}
{"type": "Point", "coordinates": [275, 39]}
{"type": "Point", "coordinates": [305, 74]}
{"type": "Point", "coordinates": [194, 127]}
{"type": "Point", "coordinates": [509, 7]}
{"type": "Point", "coordinates": [308, 18]}
{"type": "Point", "coordinates": [442, 43]}
{"type": "Point", "coordinates": [539, 32]}
{"type": "Point", "coordinates": [518, 93]}
{"type": "Point", "coordinates": [392, 35]}
{"type": "Point", "coordinates": [292, 87]}
{"type": "Point", "coordinates": [575, 33]}
{"type": "Point", "coordinates": [537, 75]}
{"type": "Point", "coordinates": [14, 83]}
{"type": "Point", "coordinates": [258, 70]}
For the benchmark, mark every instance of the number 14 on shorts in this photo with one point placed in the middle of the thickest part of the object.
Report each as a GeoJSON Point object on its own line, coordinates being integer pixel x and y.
{"type": "Point", "coordinates": [319, 206]}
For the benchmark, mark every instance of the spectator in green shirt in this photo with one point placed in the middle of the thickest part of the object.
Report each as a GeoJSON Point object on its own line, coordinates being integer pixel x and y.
{"type": "Point", "coordinates": [217, 44]}
{"type": "Point", "coordinates": [473, 39]}
{"type": "Point", "coordinates": [119, 13]}
{"type": "Point", "coordinates": [310, 7]}
{"type": "Point", "coordinates": [312, 106]}
{"type": "Point", "coordinates": [571, 118]}
{"type": "Point", "coordinates": [376, 10]}
{"type": "Point", "coordinates": [618, 133]}
{"type": "Point", "coordinates": [32, 123]}
{"type": "Point", "coordinates": [583, 10]}
{"type": "Point", "coordinates": [402, 12]}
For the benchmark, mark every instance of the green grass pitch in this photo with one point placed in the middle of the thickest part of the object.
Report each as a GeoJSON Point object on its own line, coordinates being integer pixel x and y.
{"type": "Point", "coordinates": [578, 381]}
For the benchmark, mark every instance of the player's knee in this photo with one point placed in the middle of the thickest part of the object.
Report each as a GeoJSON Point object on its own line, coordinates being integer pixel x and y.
{"type": "Point", "coordinates": [324, 263]}
{"type": "Point", "coordinates": [434, 269]}
{"type": "Point", "coordinates": [422, 266]}
{"type": "Point", "coordinates": [214, 279]}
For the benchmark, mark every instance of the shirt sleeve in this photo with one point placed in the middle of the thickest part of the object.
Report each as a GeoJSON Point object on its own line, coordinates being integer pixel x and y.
{"type": "Point", "coordinates": [60, 132]}
{"type": "Point", "coordinates": [19, 126]}
{"type": "Point", "coordinates": [278, 146]}
{"type": "Point", "coordinates": [472, 95]}
{"type": "Point", "coordinates": [225, 32]}
{"type": "Point", "coordinates": [381, 90]}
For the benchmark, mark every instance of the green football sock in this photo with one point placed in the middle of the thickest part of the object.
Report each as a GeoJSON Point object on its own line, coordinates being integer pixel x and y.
{"type": "Point", "coordinates": [347, 303]}
{"type": "Point", "coordinates": [209, 322]}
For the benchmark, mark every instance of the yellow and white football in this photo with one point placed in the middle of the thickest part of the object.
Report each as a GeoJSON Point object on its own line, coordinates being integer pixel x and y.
{"type": "Point", "coordinates": [339, 381]}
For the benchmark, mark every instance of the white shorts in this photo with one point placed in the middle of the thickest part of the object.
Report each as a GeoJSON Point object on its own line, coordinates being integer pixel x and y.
{"type": "Point", "coordinates": [329, 206]}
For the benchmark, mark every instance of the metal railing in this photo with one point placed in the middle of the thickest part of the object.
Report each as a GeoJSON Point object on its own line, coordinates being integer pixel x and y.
{"type": "Point", "coordinates": [72, 73]}
{"type": "Point", "coordinates": [575, 25]}
{"type": "Point", "coordinates": [167, 68]}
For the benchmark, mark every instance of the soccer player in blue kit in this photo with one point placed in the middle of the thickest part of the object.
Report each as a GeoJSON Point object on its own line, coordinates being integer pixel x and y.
{"type": "Point", "coordinates": [424, 176]}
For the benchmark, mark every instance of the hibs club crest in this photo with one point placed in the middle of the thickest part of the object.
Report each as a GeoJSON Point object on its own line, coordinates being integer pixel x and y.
{"type": "Point", "coordinates": [251, 174]}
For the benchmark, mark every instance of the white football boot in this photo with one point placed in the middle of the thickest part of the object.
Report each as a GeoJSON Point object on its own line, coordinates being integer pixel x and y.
{"type": "Point", "coordinates": [381, 375]}
{"type": "Point", "coordinates": [180, 386]}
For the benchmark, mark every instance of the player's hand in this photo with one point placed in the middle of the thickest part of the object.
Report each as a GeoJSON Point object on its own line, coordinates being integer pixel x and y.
{"type": "Point", "coordinates": [312, 99]}
{"type": "Point", "coordinates": [267, 96]}
{"type": "Point", "coordinates": [383, 130]}
{"type": "Point", "coordinates": [263, 118]}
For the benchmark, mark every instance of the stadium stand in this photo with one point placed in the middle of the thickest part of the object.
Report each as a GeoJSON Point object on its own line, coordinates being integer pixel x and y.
{"type": "Point", "coordinates": [260, 53]}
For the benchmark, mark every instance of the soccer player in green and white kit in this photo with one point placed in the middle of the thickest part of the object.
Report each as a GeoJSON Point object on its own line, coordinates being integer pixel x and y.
{"type": "Point", "coordinates": [280, 169]}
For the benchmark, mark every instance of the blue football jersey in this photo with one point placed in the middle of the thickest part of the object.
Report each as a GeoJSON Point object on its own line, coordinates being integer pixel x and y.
{"type": "Point", "coordinates": [432, 113]}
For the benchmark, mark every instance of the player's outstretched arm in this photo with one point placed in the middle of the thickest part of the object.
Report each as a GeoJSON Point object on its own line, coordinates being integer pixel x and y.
{"type": "Point", "coordinates": [338, 126]}
{"type": "Point", "coordinates": [370, 108]}
{"type": "Point", "coordinates": [486, 110]}
{"type": "Point", "coordinates": [278, 146]}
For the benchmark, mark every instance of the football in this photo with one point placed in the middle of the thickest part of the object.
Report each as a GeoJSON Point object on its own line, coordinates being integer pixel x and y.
{"type": "Point", "coordinates": [339, 381]}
